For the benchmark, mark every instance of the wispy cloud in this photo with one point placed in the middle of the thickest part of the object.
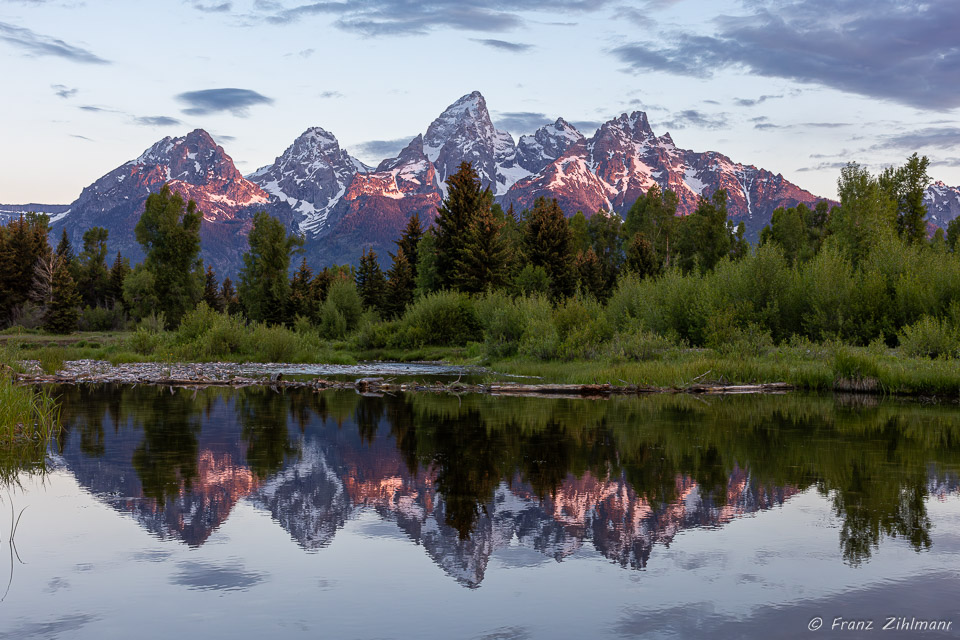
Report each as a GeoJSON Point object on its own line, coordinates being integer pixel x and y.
{"type": "Point", "coordinates": [936, 137]}
{"type": "Point", "coordinates": [503, 45]}
{"type": "Point", "coordinates": [897, 50]}
{"type": "Point", "coordinates": [156, 121]}
{"type": "Point", "coordinates": [521, 121]}
{"type": "Point", "coordinates": [694, 118]}
{"type": "Point", "coordinates": [211, 7]}
{"type": "Point", "coordinates": [380, 149]}
{"type": "Point", "coordinates": [330, 94]}
{"type": "Point", "coordinates": [411, 17]}
{"type": "Point", "coordinates": [752, 102]}
{"type": "Point", "coordinates": [37, 44]}
{"type": "Point", "coordinates": [63, 91]}
{"type": "Point", "coordinates": [207, 101]}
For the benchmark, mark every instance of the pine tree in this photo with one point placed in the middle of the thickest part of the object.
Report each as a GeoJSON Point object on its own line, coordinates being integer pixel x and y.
{"type": "Point", "coordinates": [231, 302]}
{"type": "Point", "coordinates": [302, 300]}
{"type": "Point", "coordinates": [606, 239]}
{"type": "Point", "coordinates": [371, 284]}
{"type": "Point", "coordinates": [484, 260]}
{"type": "Point", "coordinates": [400, 285]}
{"type": "Point", "coordinates": [211, 293]}
{"type": "Point", "coordinates": [63, 310]}
{"type": "Point", "coordinates": [428, 274]}
{"type": "Point", "coordinates": [264, 288]}
{"type": "Point", "coordinates": [465, 202]}
{"type": "Point", "coordinates": [65, 248]}
{"type": "Point", "coordinates": [410, 239]}
{"type": "Point", "coordinates": [548, 243]}
{"type": "Point", "coordinates": [641, 258]}
{"type": "Point", "coordinates": [579, 233]}
{"type": "Point", "coordinates": [118, 273]}
{"type": "Point", "coordinates": [23, 243]}
{"type": "Point", "coordinates": [590, 273]}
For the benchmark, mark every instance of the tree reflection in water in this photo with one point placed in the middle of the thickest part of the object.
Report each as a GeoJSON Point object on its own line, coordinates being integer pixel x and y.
{"type": "Point", "coordinates": [642, 456]}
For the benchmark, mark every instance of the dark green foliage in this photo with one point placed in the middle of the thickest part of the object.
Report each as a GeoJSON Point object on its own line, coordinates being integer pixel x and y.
{"type": "Point", "coordinates": [64, 307]}
{"type": "Point", "coordinates": [705, 236]}
{"type": "Point", "coordinates": [371, 283]}
{"type": "Point", "coordinates": [471, 253]}
{"type": "Point", "coordinates": [400, 285]}
{"type": "Point", "coordinates": [23, 243]}
{"type": "Point", "coordinates": [641, 258]}
{"type": "Point", "coordinates": [428, 274]}
{"type": "Point", "coordinates": [231, 302]}
{"type": "Point", "coordinates": [606, 239]}
{"type": "Point", "coordinates": [410, 240]}
{"type": "Point", "coordinates": [548, 243]}
{"type": "Point", "coordinates": [304, 302]}
{"type": "Point", "coordinates": [905, 186]}
{"type": "Point", "coordinates": [118, 274]}
{"type": "Point", "coordinates": [531, 280]}
{"type": "Point", "coordinates": [341, 310]}
{"type": "Point", "coordinates": [798, 231]}
{"type": "Point", "coordinates": [211, 293]}
{"type": "Point", "coordinates": [579, 233]}
{"type": "Point", "coordinates": [264, 288]}
{"type": "Point", "coordinates": [169, 233]}
{"type": "Point", "coordinates": [953, 234]}
{"type": "Point", "coordinates": [866, 214]}
{"type": "Point", "coordinates": [590, 273]}
{"type": "Point", "coordinates": [655, 216]}
{"type": "Point", "coordinates": [93, 279]}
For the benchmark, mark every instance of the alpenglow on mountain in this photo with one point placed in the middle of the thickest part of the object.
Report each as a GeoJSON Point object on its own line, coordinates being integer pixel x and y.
{"type": "Point", "coordinates": [342, 206]}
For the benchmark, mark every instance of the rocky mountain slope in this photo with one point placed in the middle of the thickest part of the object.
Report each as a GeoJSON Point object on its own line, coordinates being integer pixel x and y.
{"type": "Point", "coordinates": [343, 206]}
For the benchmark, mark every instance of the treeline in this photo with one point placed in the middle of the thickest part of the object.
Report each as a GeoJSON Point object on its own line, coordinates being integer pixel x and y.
{"type": "Point", "coordinates": [535, 283]}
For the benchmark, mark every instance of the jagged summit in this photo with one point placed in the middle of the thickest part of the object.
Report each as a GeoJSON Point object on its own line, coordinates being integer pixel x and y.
{"type": "Point", "coordinates": [310, 177]}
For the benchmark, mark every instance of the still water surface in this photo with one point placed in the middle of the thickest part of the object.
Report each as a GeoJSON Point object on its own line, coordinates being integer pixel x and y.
{"type": "Point", "coordinates": [252, 513]}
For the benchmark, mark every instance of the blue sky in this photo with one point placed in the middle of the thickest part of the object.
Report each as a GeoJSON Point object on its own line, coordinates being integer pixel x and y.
{"type": "Point", "coordinates": [796, 86]}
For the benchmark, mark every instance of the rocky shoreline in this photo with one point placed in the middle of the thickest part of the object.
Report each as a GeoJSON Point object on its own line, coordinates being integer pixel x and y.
{"type": "Point", "coordinates": [278, 376]}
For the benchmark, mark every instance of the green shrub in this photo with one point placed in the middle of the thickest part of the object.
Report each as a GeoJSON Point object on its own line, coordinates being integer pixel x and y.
{"type": "Point", "coordinates": [275, 344]}
{"type": "Point", "coordinates": [102, 318]}
{"type": "Point", "coordinates": [582, 328]}
{"type": "Point", "coordinates": [341, 311]}
{"type": "Point", "coordinates": [638, 345]}
{"type": "Point", "coordinates": [931, 337]}
{"type": "Point", "coordinates": [154, 322]}
{"type": "Point", "coordinates": [446, 318]}
{"type": "Point", "coordinates": [144, 342]}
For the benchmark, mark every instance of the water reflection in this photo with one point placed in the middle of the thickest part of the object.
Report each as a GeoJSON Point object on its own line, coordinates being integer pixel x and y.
{"type": "Point", "coordinates": [467, 476]}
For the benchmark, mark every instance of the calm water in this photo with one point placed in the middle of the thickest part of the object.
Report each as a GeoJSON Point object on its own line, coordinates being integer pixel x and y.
{"type": "Point", "coordinates": [256, 514]}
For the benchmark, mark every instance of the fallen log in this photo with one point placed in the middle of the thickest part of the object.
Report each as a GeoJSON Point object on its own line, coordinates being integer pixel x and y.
{"type": "Point", "coordinates": [554, 389]}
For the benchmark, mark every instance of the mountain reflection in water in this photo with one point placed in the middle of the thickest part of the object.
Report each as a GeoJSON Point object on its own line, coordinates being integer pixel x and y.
{"type": "Point", "coordinates": [467, 476]}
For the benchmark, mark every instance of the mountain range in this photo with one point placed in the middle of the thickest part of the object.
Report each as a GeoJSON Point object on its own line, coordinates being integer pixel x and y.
{"type": "Point", "coordinates": [343, 206]}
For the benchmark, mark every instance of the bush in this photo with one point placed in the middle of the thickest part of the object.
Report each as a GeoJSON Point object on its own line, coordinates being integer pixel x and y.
{"type": "Point", "coordinates": [637, 346]}
{"type": "Point", "coordinates": [446, 318]}
{"type": "Point", "coordinates": [154, 322]}
{"type": "Point", "coordinates": [145, 342]}
{"type": "Point", "coordinates": [275, 344]}
{"type": "Point", "coordinates": [28, 315]}
{"type": "Point", "coordinates": [341, 311]}
{"type": "Point", "coordinates": [582, 328]}
{"type": "Point", "coordinates": [931, 337]}
{"type": "Point", "coordinates": [103, 318]}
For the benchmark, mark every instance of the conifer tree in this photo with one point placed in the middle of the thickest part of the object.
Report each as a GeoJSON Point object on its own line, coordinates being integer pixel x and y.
{"type": "Point", "coordinates": [590, 273]}
{"type": "Point", "coordinates": [428, 274]}
{"type": "Point", "coordinates": [410, 239]}
{"type": "Point", "coordinates": [641, 258]}
{"type": "Point", "coordinates": [400, 285]}
{"type": "Point", "coordinates": [23, 243]}
{"type": "Point", "coordinates": [65, 247]}
{"type": "Point", "coordinates": [606, 239]}
{"type": "Point", "coordinates": [579, 233]}
{"type": "Point", "coordinates": [465, 202]}
{"type": "Point", "coordinates": [264, 288]}
{"type": "Point", "coordinates": [63, 310]}
{"type": "Point", "coordinates": [93, 281]}
{"type": "Point", "coordinates": [302, 301]}
{"type": "Point", "coordinates": [211, 293]}
{"type": "Point", "coordinates": [371, 284]}
{"type": "Point", "coordinates": [548, 243]}
{"type": "Point", "coordinates": [118, 273]}
{"type": "Point", "coordinates": [231, 302]}
{"type": "Point", "coordinates": [484, 260]}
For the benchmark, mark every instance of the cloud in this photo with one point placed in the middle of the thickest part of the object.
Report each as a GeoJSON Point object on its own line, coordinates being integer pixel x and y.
{"type": "Point", "coordinates": [94, 109]}
{"type": "Point", "coordinates": [63, 91]}
{"type": "Point", "coordinates": [223, 7]}
{"type": "Point", "coordinates": [40, 45]}
{"type": "Point", "coordinates": [586, 127]}
{"type": "Point", "coordinates": [897, 50]}
{"type": "Point", "coordinates": [207, 101]}
{"type": "Point", "coordinates": [752, 102]}
{"type": "Point", "coordinates": [156, 121]}
{"type": "Point", "coordinates": [77, 135]}
{"type": "Point", "coordinates": [503, 45]}
{"type": "Point", "coordinates": [331, 94]}
{"type": "Point", "coordinates": [694, 118]}
{"type": "Point", "coordinates": [521, 121]}
{"type": "Point", "coordinates": [824, 166]}
{"type": "Point", "coordinates": [412, 17]}
{"type": "Point", "coordinates": [382, 148]}
{"type": "Point", "coordinates": [938, 137]}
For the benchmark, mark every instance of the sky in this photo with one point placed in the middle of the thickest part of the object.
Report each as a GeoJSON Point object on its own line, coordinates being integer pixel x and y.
{"type": "Point", "coordinates": [799, 87]}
